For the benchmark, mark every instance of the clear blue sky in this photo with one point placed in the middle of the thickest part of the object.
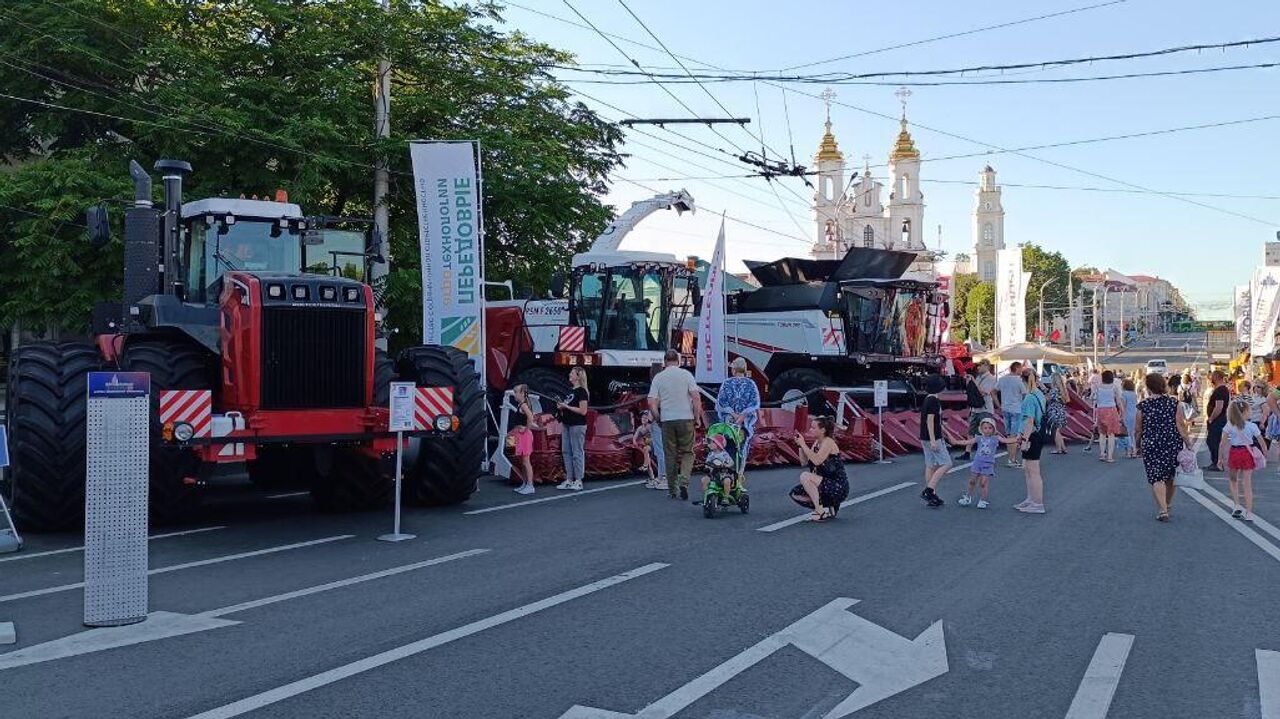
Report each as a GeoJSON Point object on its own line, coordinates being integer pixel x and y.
{"type": "Point", "coordinates": [1201, 250]}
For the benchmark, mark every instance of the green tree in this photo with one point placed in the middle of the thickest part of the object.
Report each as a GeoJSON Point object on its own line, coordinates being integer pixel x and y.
{"type": "Point", "coordinates": [960, 328]}
{"type": "Point", "coordinates": [1045, 266]}
{"type": "Point", "coordinates": [260, 94]}
{"type": "Point", "coordinates": [979, 312]}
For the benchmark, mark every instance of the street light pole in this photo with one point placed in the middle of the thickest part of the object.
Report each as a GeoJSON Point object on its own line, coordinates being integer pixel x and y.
{"type": "Point", "coordinates": [1095, 325]}
{"type": "Point", "coordinates": [1043, 285]}
{"type": "Point", "coordinates": [1071, 310]}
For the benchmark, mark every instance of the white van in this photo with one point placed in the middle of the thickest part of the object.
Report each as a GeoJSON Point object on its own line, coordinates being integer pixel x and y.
{"type": "Point", "coordinates": [1157, 366]}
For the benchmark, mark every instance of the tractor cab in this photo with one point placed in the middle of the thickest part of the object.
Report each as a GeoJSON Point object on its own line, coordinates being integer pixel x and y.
{"type": "Point", "coordinates": [259, 236]}
{"type": "Point", "coordinates": [630, 301]}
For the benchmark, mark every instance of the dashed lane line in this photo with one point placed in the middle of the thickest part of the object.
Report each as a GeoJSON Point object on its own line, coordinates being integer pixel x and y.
{"type": "Point", "coordinates": [1098, 687]}
{"type": "Point", "coordinates": [360, 666]}
{"type": "Point", "coordinates": [286, 495]}
{"type": "Point", "coordinates": [68, 550]}
{"type": "Point", "coordinates": [859, 499]}
{"type": "Point", "coordinates": [165, 625]}
{"type": "Point", "coordinates": [255, 603]}
{"type": "Point", "coordinates": [184, 565]}
{"type": "Point", "coordinates": [1258, 522]}
{"type": "Point", "coordinates": [564, 494]}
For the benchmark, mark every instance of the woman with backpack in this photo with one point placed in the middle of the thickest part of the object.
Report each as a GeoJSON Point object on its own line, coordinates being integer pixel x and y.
{"type": "Point", "coordinates": [1034, 432]}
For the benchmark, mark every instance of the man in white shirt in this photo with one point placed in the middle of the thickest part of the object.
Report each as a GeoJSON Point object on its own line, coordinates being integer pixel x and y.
{"type": "Point", "coordinates": [1011, 391]}
{"type": "Point", "coordinates": [676, 403]}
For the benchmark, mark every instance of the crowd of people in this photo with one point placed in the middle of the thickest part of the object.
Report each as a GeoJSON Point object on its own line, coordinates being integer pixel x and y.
{"type": "Point", "coordinates": [1138, 416]}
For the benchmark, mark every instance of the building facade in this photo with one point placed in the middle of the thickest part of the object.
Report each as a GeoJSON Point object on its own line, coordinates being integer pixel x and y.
{"type": "Point", "coordinates": [1271, 254]}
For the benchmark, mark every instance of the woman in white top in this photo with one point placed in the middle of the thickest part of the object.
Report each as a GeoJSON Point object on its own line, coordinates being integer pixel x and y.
{"type": "Point", "coordinates": [1241, 435]}
{"type": "Point", "coordinates": [1257, 402]}
{"type": "Point", "coordinates": [1110, 406]}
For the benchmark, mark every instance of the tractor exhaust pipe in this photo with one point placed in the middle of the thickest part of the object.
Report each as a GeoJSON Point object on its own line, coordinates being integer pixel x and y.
{"type": "Point", "coordinates": [172, 172]}
{"type": "Point", "coordinates": [141, 185]}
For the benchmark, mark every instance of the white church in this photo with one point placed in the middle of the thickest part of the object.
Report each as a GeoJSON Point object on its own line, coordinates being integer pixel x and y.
{"type": "Point", "coordinates": [856, 216]}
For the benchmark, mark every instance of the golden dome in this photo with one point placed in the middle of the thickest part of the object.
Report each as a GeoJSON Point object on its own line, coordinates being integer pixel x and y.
{"type": "Point", "coordinates": [828, 150]}
{"type": "Point", "coordinates": [905, 147]}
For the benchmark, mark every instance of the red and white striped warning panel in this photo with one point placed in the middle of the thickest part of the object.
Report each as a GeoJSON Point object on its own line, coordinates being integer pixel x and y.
{"type": "Point", "coordinates": [573, 339]}
{"type": "Point", "coordinates": [193, 406]}
{"type": "Point", "coordinates": [431, 402]}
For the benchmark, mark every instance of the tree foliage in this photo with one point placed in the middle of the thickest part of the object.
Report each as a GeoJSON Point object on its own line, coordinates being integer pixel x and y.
{"type": "Point", "coordinates": [1045, 266]}
{"type": "Point", "coordinates": [980, 311]}
{"type": "Point", "coordinates": [960, 328]}
{"type": "Point", "coordinates": [261, 94]}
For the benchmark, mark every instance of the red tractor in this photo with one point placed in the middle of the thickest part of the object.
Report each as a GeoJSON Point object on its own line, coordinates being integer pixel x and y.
{"type": "Point", "coordinates": [258, 330]}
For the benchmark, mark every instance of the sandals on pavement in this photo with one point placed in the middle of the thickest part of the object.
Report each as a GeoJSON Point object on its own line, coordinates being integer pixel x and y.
{"type": "Point", "coordinates": [1162, 517]}
{"type": "Point", "coordinates": [818, 516]}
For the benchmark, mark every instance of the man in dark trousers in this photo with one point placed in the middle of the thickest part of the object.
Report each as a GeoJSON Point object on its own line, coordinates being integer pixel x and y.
{"type": "Point", "coordinates": [1216, 416]}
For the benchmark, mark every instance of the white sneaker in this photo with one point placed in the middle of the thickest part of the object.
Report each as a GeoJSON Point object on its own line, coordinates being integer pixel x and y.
{"type": "Point", "coordinates": [651, 484]}
{"type": "Point", "coordinates": [662, 484]}
{"type": "Point", "coordinates": [965, 500]}
{"type": "Point", "coordinates": [982, 504]}
{"type": "Point", "coordinates": [524, 489]}
{"type": "Point", "coordinates": [576, 486]}
{"type": "Point", "coordinates": [567, 484]}
{"type": "Point", "coordinates": [1032, 508]}
{"type": "Point", "coordinates": [1022, 504]}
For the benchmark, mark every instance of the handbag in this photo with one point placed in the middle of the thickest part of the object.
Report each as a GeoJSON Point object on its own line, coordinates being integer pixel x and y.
{"type": "Point", "coordinates": [1259, 459]}
{"type": "Point", "coordinates": [511, 439]}
{"type": "Point", "coordinates": [1190, 480]}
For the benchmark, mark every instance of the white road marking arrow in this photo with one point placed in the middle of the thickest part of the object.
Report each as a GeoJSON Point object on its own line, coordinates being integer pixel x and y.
{"type": "Point", "coordinates": [881, 662]}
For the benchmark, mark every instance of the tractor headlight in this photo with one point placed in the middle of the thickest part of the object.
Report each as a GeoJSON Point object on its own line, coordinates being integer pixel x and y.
{"type": "Point", "coordinates": [275, 292]}
{"type": "Point", "coordinates": [183, 432]}
{"type": "Point", "coordinates": [328, 294]}
{"type": "Point", "coordinates": [353, 294]}
{"type": "Point", "coordinates": [444, 423]}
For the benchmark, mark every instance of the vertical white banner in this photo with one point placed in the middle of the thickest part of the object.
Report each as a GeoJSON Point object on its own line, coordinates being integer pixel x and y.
{"type": "Point", "coordinates": [1264, 292]}
{"type": "Point", "coordinates": [451, 245]}
{"type": "Point", "coordinates": [1011, 289]}
{"type": "Point", "coordinates": [1243, 311]}
{"type": "Point", "coordinates": [712, 363]}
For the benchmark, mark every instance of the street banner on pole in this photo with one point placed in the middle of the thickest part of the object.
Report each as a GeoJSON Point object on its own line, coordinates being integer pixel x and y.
{"type": "Point", "coordinates": [1243, 310]}
{"type": "Point", "coordinates": [1264, 292]}
{"type": "Point", "coordinates": [1011, 289]}
{"type": "Point", "coordinates": [451, 244]}
{"type": "Point", "coordinates": [712, 364]}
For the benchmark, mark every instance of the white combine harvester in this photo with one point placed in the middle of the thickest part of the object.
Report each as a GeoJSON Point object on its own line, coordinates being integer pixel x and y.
{"type": "Point", "coordinates": [621, 311]}
{"type": "Point", "coordinates": [847, 322]}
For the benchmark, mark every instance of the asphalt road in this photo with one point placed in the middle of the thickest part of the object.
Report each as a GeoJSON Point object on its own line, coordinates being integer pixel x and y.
{"type": "Point", "coordinates": [621, 599]}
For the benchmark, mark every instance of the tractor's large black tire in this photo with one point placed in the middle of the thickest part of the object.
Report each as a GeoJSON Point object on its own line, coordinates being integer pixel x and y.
{"type": "Point", "coordinates": [45, 403]}
{"type": "Point", "coordinates": [384, 373]}
{"type": "Point", "coordinates": [348, 481]}
{"type": "Point", "coordinates": [446, 470]}
{"type": "Point", "coordinates": [173, 363]}
{"type": "Point", "coordinates": [550, 384]}
{"type": "Point", "coordinates": [802, 380]}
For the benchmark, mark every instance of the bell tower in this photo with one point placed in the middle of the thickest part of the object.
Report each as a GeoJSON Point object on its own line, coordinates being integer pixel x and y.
{"type": "Point", "coordinates": [988, 225]}
{"type": "Point", "coordinates": [828, 196]}
{"type": "Point", "coordinates": [906, 201]}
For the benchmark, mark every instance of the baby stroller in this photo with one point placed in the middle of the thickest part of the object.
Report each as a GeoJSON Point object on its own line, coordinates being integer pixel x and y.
{"type": "Point", "coordinates": [724, 441]}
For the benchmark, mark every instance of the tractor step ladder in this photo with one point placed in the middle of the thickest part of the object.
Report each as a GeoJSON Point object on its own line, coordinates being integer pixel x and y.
{"type": "Point", "coordinates": [10, 541]}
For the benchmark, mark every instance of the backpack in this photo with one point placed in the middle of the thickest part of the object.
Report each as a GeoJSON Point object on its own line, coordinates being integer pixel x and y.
{"type": "Point", "coordinates": [1043, 426]}
{"type": "Point", "coordinates": [973, 395]}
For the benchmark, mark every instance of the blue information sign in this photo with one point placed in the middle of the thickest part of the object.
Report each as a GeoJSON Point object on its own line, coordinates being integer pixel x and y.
{"type": "Point", "coordinates": [117, 385]}
{"type": "Point", "coordinates": [4, 447]}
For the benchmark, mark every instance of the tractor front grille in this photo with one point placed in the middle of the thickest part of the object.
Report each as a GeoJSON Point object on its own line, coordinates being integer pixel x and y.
{"type": "Point", "coordinates": [313, 357]}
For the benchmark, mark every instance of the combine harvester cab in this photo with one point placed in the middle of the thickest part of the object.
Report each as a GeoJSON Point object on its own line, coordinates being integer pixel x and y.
{"type": "Point", "coordinates": [615, 314]}
{"type": "Point", "coordinates": [258, 330]}
{"type": "Point", "coordinates": [815, 324]}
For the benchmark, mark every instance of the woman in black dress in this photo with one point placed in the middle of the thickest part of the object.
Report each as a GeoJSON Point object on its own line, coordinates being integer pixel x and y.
{"type": "Point", "coordinates": [824, 486]}
{"type": "Point", "coordinates": [1160, 433]}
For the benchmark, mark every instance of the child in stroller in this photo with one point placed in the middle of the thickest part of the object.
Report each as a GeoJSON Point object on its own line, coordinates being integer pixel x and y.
{"type": "Point", "coordinates": [721, 488]}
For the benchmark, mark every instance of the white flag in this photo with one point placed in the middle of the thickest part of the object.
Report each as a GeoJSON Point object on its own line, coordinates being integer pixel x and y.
{"type": "Point", "coordinates": [1243, 307]}
{"type": "Point", "coordinates": [1011, 292]}
{"type": "Point", "coordinates": [712, 364]}
{"type": "Point", "coordinates": [451, 243]}
{"type": "Point", "coordinates": [1264, 292]}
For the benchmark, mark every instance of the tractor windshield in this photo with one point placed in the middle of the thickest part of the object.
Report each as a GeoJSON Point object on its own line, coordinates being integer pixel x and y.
{"type": "Point", "coordinates": [624, 308]}
{"type": "Point", "coordinates": [256, 246]}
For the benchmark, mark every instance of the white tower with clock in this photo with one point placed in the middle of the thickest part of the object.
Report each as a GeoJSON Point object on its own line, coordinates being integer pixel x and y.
{"type": "Point", "coordinates": [988, 226]}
